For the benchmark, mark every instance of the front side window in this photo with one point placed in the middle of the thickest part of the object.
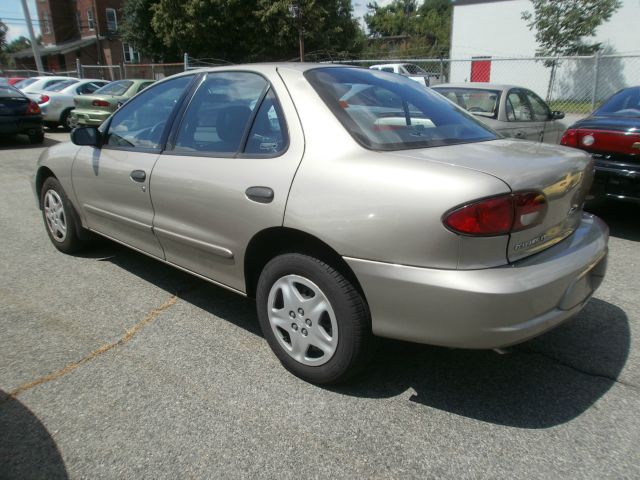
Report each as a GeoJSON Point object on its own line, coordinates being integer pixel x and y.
{"type": "Point", "coordinates": [517, 106]}
{"type": "Point", "coordinates": [541, 112]}
{"type": "Point", "coordinates": [112, 20]}
{"type": "Point", "coordinates": [49, 83]}
{"type": "Point", "coordinates": [142, 121]}
{"type": "Point", "coordinates": [385, 112]}
{"type": "Point", "coordinates": [219, 113]}
{"type": "Point", "coordinates": [479, 102]}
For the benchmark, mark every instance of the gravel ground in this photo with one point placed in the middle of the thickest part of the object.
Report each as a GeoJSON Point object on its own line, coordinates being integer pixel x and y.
{"type": "Point", "coordinates": [121, 367]}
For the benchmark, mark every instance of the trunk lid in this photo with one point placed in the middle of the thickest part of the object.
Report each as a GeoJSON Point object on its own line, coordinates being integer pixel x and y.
{"type": "Point", "coordinates": [563, 175]}
{"type": "Point", "coordinates": [86, 102]}
{"type": "Point", "coordinates": [15, 104]}
{"type": "Point", "coordinates": [615, 136]}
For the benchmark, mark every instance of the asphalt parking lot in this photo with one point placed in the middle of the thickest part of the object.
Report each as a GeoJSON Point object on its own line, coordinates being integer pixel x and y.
{"type": "Point", "coordinates": [113, 365]}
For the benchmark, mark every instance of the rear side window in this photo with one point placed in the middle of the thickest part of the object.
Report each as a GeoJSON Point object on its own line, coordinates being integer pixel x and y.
{"type": "Point", "coordinates": [268, 135]}
{"type": "Point", "coordinates": [25, 83]}
{"type": "Point", "coordinates": [477, 101]}
{"type": "Point", "coordinates": [387, 112]}
{"type": "Point", "coordinates": [220, 112]}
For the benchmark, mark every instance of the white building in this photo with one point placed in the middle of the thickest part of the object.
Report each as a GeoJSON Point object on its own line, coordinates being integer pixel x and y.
{"type": "Point", "coordinates": [494, 29]}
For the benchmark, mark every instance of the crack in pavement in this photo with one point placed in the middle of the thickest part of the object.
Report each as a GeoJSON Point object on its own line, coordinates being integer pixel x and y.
{"type": "Point", "coordinates": [126, 338]}
{"type": "Point", "coordinates": [576, 368]}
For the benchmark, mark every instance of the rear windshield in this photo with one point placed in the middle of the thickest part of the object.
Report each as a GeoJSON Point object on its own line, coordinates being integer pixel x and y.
{"type": "Point", "coordinates": [623, 104]}
{"type": "Point", "coordinates": [7, 91]}
{"type": "Point", "coordinates": [388, 112]}
{"type": "Point", "coordinates": [59, 86]}
{"type": "Point", "coordinates": [114, 88]}
{"type": "Point", "coordinates": [25, 83]}
{"type": "Point", "coordinates": [477, 101]}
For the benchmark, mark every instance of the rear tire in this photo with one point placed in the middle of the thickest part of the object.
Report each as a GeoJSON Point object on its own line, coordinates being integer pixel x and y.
{"type": "Point", "coordinates": [67, 122]}
{"type": "Point", "coordinates": [36, 138]}
{"type": "Point", "coordinates": [60, 219]}
{"type": "Point", "coordinates": [330, 341]}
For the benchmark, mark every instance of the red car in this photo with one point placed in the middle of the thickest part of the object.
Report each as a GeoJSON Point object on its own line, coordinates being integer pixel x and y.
{"type": "Point", "coordinates": [612, 135]}
{"type": "Point", "coordinates": [13, 80]}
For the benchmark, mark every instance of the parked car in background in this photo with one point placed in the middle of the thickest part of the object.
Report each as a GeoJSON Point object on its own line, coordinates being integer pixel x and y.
{"type": "Point", "coordinates": [512, 111]}
{"type": "Point", "coordinates": [404, 218]}
{"type": "Point", "coordinates": [612, 135]}
{"type": "Point", "coordinates": [35, 84]}
{"type": "Point", "coordinates": [56, 101]}
{"type": "Point", "coordinates": [14, 80]}
{"type": "Point", "coordinates": [96, 108]}
{"type": "Point", "coordinates": [19, 115]}
{"type": "Point", "coordinates": [409, 70]}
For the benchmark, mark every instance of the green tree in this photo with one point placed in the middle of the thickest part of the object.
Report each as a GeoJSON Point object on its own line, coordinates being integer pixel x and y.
{"type": "Point", "coordinates": [137, 30]}
{"type": "Point", "coordinates": [563, 26]}
{"type": "Point", "coordinates": [423, 29]}
{"type": "Point", "coordinates": [3, 43]}
{"type": "Point", "coordinates": [18, 44]}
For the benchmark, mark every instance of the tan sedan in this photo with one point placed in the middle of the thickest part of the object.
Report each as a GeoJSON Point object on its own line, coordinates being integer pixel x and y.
{"type": "Point", "coordinates": [349, 202]}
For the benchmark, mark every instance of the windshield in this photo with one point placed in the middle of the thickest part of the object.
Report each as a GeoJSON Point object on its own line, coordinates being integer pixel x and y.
{"type": "Point", "coordinates": [479, 102]}
{"type": "Point", "coordinates": [59, 86]}
{"type": "Point", "coordinates": [114, 88]}
{"type": "Point", "coordinates": [623, 104]}
{"type": "Point", "coordinates": [383, 111]}
{"type": "Point", "coordinates": [25, 83]}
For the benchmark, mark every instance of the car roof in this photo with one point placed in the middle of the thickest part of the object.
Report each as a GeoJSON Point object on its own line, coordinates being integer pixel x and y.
{"type": "Point", "coordinates": [478, 86]}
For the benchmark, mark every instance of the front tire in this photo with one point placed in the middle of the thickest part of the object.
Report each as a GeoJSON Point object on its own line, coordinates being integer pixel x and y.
{"type": "Point", "coordinates": [314, 319]}
{"type": "Point", "coordinates": [60, 219]}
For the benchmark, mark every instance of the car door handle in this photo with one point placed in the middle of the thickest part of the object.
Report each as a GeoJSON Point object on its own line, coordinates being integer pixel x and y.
{"type": "Point", "coordinates": [138, 176]}
{"type": "Point", "coordinates": [520, 134]}
{"type": "Point", "coordinates": [259, 194]}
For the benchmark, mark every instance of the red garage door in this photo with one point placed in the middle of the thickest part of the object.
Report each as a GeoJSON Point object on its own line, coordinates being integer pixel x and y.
{"type": "Point", "coordinates": [481, 69]}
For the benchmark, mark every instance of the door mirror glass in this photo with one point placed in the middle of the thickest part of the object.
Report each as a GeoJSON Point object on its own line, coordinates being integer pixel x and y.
{"type": "Point", "coordinates": [86, 136]}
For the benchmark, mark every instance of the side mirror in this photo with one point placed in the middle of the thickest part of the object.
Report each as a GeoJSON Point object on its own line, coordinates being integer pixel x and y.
{"type": "Point", "coordinates": [86, 136]}
{"type": "Point", "coordinates": [557, 115]}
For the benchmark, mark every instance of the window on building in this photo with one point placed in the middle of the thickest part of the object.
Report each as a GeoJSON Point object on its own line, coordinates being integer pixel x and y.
{"type": "Point", "coordinates": [131, 55]}
{"type": "Point", "coordinates": [79, 20]}
{"type": "Point", "coordinates": [90, 21]}
{"type": "Point", "coordinates": [112, 20]}
{"type": "Point", "coordinates": [46, 23]}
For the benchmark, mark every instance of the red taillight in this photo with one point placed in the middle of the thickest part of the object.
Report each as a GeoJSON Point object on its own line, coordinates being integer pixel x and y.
{"type": "Point", "coordinates": [33, 109]}
{"type": "Point", "coordinates": [43, 99]}
{"type": "Point", "coordinates": [498, 215]}
{"type": "Point", "coordinates": [100, 103]}
{"type": "Point", "coordinates": [570, 138]}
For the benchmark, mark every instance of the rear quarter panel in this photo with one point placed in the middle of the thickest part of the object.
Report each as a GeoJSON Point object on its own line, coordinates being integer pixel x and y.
{"type": "Point", "coordinates": [374, 205]}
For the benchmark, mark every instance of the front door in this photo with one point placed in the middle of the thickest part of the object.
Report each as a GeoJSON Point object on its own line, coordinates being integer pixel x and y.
{"type": "Point", "coordinates": [521, 121]}
{"type": "Point", "coordinates": [227, 175]}
{"type": "Point", "coordinates": [112, 183]}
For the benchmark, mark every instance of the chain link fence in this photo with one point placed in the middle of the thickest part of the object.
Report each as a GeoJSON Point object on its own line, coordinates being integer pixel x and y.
{"type": "Point", "coordinates": [574, 85]}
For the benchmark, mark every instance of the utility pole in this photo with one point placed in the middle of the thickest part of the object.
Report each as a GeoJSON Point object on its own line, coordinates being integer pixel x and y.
{"type": "Point", "coordinates": [32, 38]}
{"type": "Point", "coordinates": [296, 11]}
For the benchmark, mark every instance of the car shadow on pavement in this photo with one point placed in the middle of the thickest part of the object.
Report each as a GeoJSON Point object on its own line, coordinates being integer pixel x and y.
{"type": "Point", "coordinates": [22, 141]}
{"type": "Point", "coordinates": [544, 382]}
{"type": "Point", "coordinates": [622, 218]}
{"type": "Point", "coordinates": [27, 449]}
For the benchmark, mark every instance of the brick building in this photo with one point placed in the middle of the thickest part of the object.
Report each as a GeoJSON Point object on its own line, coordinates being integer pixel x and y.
{"type": "Point", "coordinates": [79, 29]}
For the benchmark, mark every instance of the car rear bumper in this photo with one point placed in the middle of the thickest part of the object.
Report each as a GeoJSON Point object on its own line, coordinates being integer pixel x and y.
{"type": "Point", "coordinates": [10, 125]}
{"type": "Point", "coordinates": [620, 180]}
{"type": "Point", "coordinates": [486, 308]}
{"type": "Point", "coordinates": [90, 117]}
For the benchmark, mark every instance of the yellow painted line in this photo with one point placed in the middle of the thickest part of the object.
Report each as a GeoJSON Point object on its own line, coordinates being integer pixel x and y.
{"type": "Point", "coordinates": [128, 336]}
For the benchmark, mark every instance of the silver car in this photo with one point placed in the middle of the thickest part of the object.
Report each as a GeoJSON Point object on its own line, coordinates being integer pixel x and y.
{"type": "Point", "coordinates": [508, 109]}
{"type": "Point", "coordinates": [387, 211]}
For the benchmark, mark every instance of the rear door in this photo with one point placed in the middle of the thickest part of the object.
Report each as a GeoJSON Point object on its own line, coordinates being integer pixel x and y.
{"type": "Point", "coordinates": [112, 182]}
{"type": "Point", "coordinates": [228, 173]}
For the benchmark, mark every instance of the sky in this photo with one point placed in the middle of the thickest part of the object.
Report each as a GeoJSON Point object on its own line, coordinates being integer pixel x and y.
{"type": "Point", "coordinates": [11, 14]}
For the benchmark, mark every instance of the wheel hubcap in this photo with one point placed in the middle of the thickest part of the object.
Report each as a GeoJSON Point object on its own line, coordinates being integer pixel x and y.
{"type": "Point", "coordinates": [302, 320]}
{"type": "Point", "coordinates": [55, 216]}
